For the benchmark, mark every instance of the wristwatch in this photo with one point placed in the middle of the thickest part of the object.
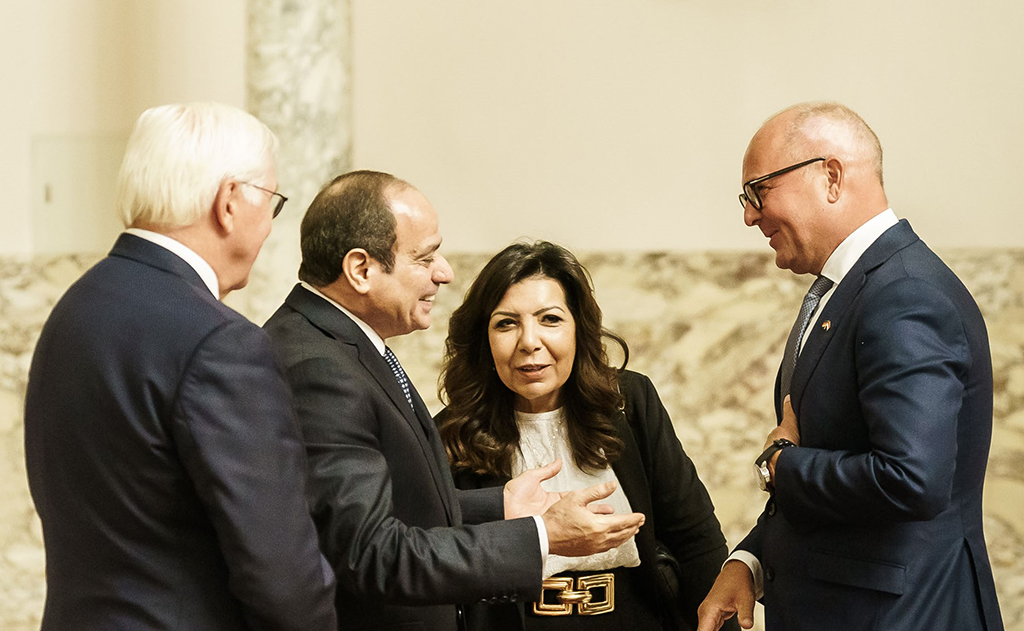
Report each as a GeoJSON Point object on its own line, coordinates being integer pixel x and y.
{"type": "Point", "coordinates": [764, 476]}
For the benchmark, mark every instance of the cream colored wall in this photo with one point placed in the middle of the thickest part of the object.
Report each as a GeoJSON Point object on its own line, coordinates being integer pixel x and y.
{"type": "Point", "coordinates": [602, 124]}
{"type": "Point", "coordinates": [77, 71]}
{"type": "Point", "coordinates": [614, 124]}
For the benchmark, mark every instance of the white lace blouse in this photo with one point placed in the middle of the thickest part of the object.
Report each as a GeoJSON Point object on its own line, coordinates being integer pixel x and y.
{"type": "Point", "coordinates": [543, 438]}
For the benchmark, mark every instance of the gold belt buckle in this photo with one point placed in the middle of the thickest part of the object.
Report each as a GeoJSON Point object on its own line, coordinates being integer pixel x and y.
{"type": "Point", "coordinates": [582, 597]}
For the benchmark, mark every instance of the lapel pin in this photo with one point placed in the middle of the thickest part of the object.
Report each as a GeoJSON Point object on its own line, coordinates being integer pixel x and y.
{"type": "Point", "coordinates": [826, 325]}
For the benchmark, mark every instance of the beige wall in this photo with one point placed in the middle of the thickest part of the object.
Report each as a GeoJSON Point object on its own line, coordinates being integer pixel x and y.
{"type": "Point", "coordinates": [75, 75]}
{"type": "Point", "coordinates": [603, 124]}
{"type": "Point", "coordinates": [615, 124]}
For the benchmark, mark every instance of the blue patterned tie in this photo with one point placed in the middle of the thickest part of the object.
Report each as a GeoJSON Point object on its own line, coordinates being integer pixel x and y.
{"type": "Point", "coordinates": [400, 377]}
{"type": "Point", "coordinates": [814, 294]}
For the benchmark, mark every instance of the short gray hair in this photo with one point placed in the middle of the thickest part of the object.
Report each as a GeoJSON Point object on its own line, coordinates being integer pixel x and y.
{"type": "Point", "coordinates": [179, 155]}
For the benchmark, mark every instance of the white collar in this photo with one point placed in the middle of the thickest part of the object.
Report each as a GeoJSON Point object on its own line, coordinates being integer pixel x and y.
{"type": "Point", "coordinates": [185, 253]}
{"type": "Point", "coordinates": [376, 339]}
{"type": "Point", "coordinates": [842, 260]}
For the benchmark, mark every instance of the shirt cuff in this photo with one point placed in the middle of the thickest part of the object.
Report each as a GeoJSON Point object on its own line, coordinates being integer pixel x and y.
{"type": "Point", "coordinates": [755, 569]}
{"type": "Point", "coordinates": [542, 535]}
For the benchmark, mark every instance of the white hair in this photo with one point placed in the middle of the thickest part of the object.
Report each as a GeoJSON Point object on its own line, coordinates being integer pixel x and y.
{"type": "Point", "coordinates": [179, 155]}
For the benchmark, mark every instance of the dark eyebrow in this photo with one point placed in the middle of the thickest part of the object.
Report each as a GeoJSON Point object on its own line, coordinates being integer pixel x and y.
{"type": "Point", "coordinates": [428, 252]}
{"type": "Point", "coordinates": [535, 313]}
{"type": "Point", "coordinates": [544, 309]}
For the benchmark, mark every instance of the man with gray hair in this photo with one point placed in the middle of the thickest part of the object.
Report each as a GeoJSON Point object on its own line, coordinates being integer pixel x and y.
{"type": "Point", "coordinates": [883, 403]}
{"type": "Point", "coordinates": [162, 451]}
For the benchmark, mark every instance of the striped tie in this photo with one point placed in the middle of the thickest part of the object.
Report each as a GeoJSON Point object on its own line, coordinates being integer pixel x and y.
{"type": "Point", "coordinates": [814, 294]}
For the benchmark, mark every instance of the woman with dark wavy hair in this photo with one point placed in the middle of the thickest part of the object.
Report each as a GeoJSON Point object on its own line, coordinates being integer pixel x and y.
{"type": "Point", "coordinates": [526, 381]}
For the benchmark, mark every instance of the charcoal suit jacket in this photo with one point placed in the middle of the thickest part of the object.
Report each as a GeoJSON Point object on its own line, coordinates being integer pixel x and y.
{"type": "Point", "coordinates": [390, 520]}
{"type": "Point", "coordinates": [164, 460]}
{"type": "Point", "coordinates": [876, 520]}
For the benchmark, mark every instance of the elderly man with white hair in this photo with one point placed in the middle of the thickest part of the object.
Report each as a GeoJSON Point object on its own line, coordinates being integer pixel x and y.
{"type": "Point", "coordinates": [162, 451]}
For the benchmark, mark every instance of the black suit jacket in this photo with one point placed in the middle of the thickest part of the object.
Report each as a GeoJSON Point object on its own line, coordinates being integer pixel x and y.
{"type": "Point", "coordinates": [876, 522]}
{"type": "Point", "coordinates": [389, 518]}
{"type": "Point", "coordinates": [164, 460]}
{"type": "Point", "coordinates": [661, 482]}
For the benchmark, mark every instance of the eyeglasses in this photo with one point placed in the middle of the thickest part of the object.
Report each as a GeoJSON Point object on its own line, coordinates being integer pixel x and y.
{"type": "Point", "coordinates": [750, 195]}
{"type": "Point", "coordinates": [280, 202]}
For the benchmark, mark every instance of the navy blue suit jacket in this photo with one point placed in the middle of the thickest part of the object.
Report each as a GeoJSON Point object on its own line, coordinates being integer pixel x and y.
{"type": "Point", "coordinates": [389, 517]}
{"type": "Point", "coordinates": [876, 521]}
{"type": "Point", "coordinates": [164, 460]}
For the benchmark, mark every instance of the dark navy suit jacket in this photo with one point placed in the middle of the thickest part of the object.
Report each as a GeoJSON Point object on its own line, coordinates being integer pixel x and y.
{"type": "Point", "coordinates": [876, 522]}
{"type": "Point", "coordinates": [389, 517]}
{"type": "Point", "coordinates": [164, 460]}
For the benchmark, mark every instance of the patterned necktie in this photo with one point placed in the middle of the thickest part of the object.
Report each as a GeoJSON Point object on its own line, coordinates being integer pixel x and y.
{"type": "Point", "coordinates": [400, 377]}
{"type": "Point", "coordinates": [814, 294]}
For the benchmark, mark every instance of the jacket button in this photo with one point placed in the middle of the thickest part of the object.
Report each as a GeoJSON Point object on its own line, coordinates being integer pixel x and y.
{"type": "Point", "coordinates": [771, 509]}
{"type": "Point", "coordinates": [769, 574]}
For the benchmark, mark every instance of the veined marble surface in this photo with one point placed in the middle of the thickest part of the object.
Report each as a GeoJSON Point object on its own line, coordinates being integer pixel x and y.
{"type": "Point", "coordinates": [708, 328]}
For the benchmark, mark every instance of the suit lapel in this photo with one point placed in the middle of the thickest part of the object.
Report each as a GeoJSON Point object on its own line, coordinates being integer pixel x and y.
{"type": "Point", "coordinates": [339, 326]}
{"type": "Point", "coordinates": [889, 243]}
{"type": "Point", "coordinates": [629, 469]}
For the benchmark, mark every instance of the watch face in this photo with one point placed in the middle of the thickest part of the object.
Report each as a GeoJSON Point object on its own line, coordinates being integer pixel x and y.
{"type": "Point", "coordinates": [763, 476]}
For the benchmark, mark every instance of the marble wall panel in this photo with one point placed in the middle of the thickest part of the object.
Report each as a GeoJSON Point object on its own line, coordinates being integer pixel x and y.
{"type": "Point", "coordinates": [708, 328]}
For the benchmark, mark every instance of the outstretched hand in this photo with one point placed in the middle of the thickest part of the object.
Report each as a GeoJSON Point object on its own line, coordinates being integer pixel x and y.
{"type": "Point", "coordinates": [731, 595]}
{"type": "Point", "coordinates": [523, 495]}
{"type": "Point", "coordinates": [577, 529]}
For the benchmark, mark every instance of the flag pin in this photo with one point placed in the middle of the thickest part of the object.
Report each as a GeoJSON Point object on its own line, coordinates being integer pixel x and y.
{"type": "Point", "coordinates": [826, 325]}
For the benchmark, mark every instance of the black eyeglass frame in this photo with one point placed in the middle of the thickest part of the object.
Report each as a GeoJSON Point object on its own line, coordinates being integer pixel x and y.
{"type": "Point", "coordinates": [280, 202]}
{"type": "Point", "coordinates": [750, 193]}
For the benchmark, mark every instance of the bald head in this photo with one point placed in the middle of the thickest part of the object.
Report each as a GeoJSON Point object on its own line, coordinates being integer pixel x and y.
{"type": "Point", "coordinates": [808, 211]}
{"type": "Point", "coordinates": [831, 129]}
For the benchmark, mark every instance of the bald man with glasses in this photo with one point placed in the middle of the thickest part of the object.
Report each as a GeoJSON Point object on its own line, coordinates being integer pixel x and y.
{"type": "Point", "coordinates": [883, 403]}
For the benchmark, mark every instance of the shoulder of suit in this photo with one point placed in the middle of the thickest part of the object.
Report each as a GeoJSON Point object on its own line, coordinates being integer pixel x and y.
{"type": "Point", "coordinates": [633, 384]}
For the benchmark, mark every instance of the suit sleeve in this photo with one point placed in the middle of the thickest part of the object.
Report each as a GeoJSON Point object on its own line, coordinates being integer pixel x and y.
{"type": "Point", "coordinates": [684, 515]}
{"type": "Point", "coordinates": [910, 352]}
{"type": "Point", "coordinates": [238, 440]}
{"type": "Point", "coordinates": [375, 554]}
{"type": "Point", "coordinates": [482, 505]}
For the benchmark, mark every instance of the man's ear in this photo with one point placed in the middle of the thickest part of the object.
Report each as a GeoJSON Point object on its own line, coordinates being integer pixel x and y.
{"type": "Point", "coordinates": [357, 269]}
{"type": "Point", "coordinates": [225, 206]}
{"type": "Point", "coordinates": [835, 171]}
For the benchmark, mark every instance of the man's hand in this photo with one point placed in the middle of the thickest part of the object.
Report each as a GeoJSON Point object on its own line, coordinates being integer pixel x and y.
{"type": "Point", "coordinates": [576, 529]}
{"type": "Point", "coordinates": [788, 429]}
{"type": "Point", "coordinates": [731, 595]}
{"type": "Point", "coordinates": [524, 496]}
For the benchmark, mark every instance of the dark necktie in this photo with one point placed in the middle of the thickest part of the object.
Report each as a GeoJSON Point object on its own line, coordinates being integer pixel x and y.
{"type": "Point", "coordinates": [814, 294]}
{"type": "Point", "coordinates": [400, 377]}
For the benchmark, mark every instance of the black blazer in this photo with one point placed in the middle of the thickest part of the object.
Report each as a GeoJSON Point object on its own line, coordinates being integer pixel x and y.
{"type": "Point", "coordinates": [876, 519]}
{"type": "Point", "coordinates": [164, 460]}
{"type": "Point", "coordinates": [389, 518]}
{"type": "Point", "coordinates": [661, 482]}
